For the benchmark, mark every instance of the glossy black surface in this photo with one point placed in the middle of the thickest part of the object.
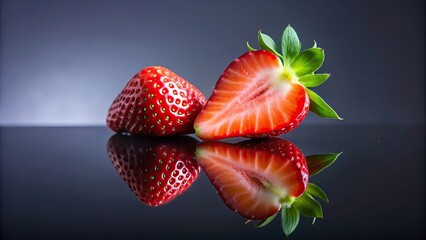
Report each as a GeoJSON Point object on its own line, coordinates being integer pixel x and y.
{"type": "Point", "coordinates": [59, 183]}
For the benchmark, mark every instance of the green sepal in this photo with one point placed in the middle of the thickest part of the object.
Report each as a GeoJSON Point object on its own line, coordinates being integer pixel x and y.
{"type": "Point", "coordinates": [249, 47]}
{"type": "Point", "coordinates": [290, 45]}
{"type": "Point", "coordinates": [267, 43]}
{"type": "Point", "coordinates": [308, 61]}
{"type": "Point", "coordinates": [266, 221]}
{"type": "Point", "coordinates": [317, 163]}
{"type": "Point", "coordinates": [313, 220]}
{"type": "Point", "coordinates": [316, 191]}
{"type": "Point", "coordinates": [315, 44]}
{"type": "Point", "coordinates": [320, 107]}
{"type": "Point", "coordinates": [314, 80]}
{"type": "Point", "coordinates": [289, 219]}
{"type": "Point", "coordinates": [308, 206]}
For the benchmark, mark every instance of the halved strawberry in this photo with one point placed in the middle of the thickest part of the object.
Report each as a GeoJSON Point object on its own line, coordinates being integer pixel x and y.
{"type": "Point", "coordinates": [263, 93]}
{"type": "Point", "coordinates": [157, 170]}
{"type": "Point", "coordinates": [156, 102]}
{"type": "Point", "coordinates": [255, 178]}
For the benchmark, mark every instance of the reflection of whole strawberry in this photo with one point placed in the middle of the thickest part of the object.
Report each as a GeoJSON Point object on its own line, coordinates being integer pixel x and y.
{"type": "Point", "coordinates": [156, 170]}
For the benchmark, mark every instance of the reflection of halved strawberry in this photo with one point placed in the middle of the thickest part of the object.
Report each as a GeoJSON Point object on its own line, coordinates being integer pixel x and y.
{"type": "Point", "coordinates": [263, 93]}
{"type": "Point", "coordinates": [156, 170]}
{"type": "Point", "coordinates": [255, 178]}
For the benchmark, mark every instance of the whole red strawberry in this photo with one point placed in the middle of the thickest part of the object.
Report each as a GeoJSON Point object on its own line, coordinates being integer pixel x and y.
{"type": "Point", "coordinates": [156, 102]}
{"type": "Point", "coordinates": [157, 170]}
{"type": "Point", "coordinates": [264, 93]}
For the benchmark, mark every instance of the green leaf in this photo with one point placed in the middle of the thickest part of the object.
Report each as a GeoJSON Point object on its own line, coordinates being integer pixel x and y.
{"type": "Point", "coordinates": [308, 61]}
{"type": "Point", "coordinates": [317, 163]}
{"type": "Point", "coordinates": [320, 107]}
{"type": "Point", "coordinates": [308, 206]}
{"type": "Point", "coordinates": [267, 43]}
{"type": "Point", "coordinates": [289, 219]}
{"type": "Point", "coordinates": [316, 191]}
{"type": "Point", "coordinates": [266, 221]}
{"type": "Point", "coordinates": [314, 80]}
{"type": "Point", "coordinates": [290, 44]}
{"type": "Point", "coordinates": [249, 47]}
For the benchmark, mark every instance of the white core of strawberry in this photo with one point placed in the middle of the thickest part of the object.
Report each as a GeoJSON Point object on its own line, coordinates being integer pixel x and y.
{"type": "Point", "coordinates": [282, 78]}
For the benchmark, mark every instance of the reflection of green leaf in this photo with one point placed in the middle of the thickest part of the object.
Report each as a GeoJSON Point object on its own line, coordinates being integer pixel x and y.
{"type": "Point", "coordinates": [308, 206]}
{"type": "Point", "coordinates": [316, 191]}
{"type": "Point", "coordinates": [267, 43]}
{"type": "Point", "coordinates": [266, 221]}
{"type": "Point", "coordinates": [289, 219]}
{"type": "Point", "coordinates": [317, 163]}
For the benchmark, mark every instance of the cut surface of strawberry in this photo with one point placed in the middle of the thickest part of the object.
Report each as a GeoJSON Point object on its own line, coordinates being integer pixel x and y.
{"type": "Point", "coordinates": [255, 178]}
{"type": "Point", "coordinates": [156, 102]}
{"type": "Point", "coordinates": [264, 93]}
{"type": "Point", "coordinates": [254, 98]}
{"type": "Point", "coordinates": [157, 170]}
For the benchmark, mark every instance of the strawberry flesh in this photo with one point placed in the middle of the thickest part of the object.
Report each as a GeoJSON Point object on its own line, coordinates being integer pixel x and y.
{"type": "Point", "coordinates": [156, 102]}
{"type": "Point", "coordinates": [254, 98]}
{"type": "Point", "coordinates": [255, 178]}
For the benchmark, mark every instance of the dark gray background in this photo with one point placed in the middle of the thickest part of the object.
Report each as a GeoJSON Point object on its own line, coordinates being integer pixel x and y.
{"type": "Point", "coordinates": [63, 62]}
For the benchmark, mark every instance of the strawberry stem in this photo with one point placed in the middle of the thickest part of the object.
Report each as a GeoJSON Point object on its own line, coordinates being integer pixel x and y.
{"type": "Point", "coordinates": [287, 201]}
{"type": "Point", "coordinates": [289, 74]}
{"type": "Point", "coordinates": [284, 198]}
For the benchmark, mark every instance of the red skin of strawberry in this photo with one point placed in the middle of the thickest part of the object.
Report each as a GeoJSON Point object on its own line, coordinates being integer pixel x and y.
{"type": "Point", "coordinates": [156, 102]}
{"type": "Point", "coordinates": [254, 178]}
{"type": "Point", "coordinates": [253, 98]}
{"type": "Point", "coordinates": [157, 170]}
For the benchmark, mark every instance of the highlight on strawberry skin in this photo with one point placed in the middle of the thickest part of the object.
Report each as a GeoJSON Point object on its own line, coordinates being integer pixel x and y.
{"type": "Point", "coordinates": [156, 102]}
{"type": "Point", "coordinates": [157, 170]}
{"type": "Point", "coordinates": [265, 93]}
{"type": "Point", "coordinates": [258, 178]}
